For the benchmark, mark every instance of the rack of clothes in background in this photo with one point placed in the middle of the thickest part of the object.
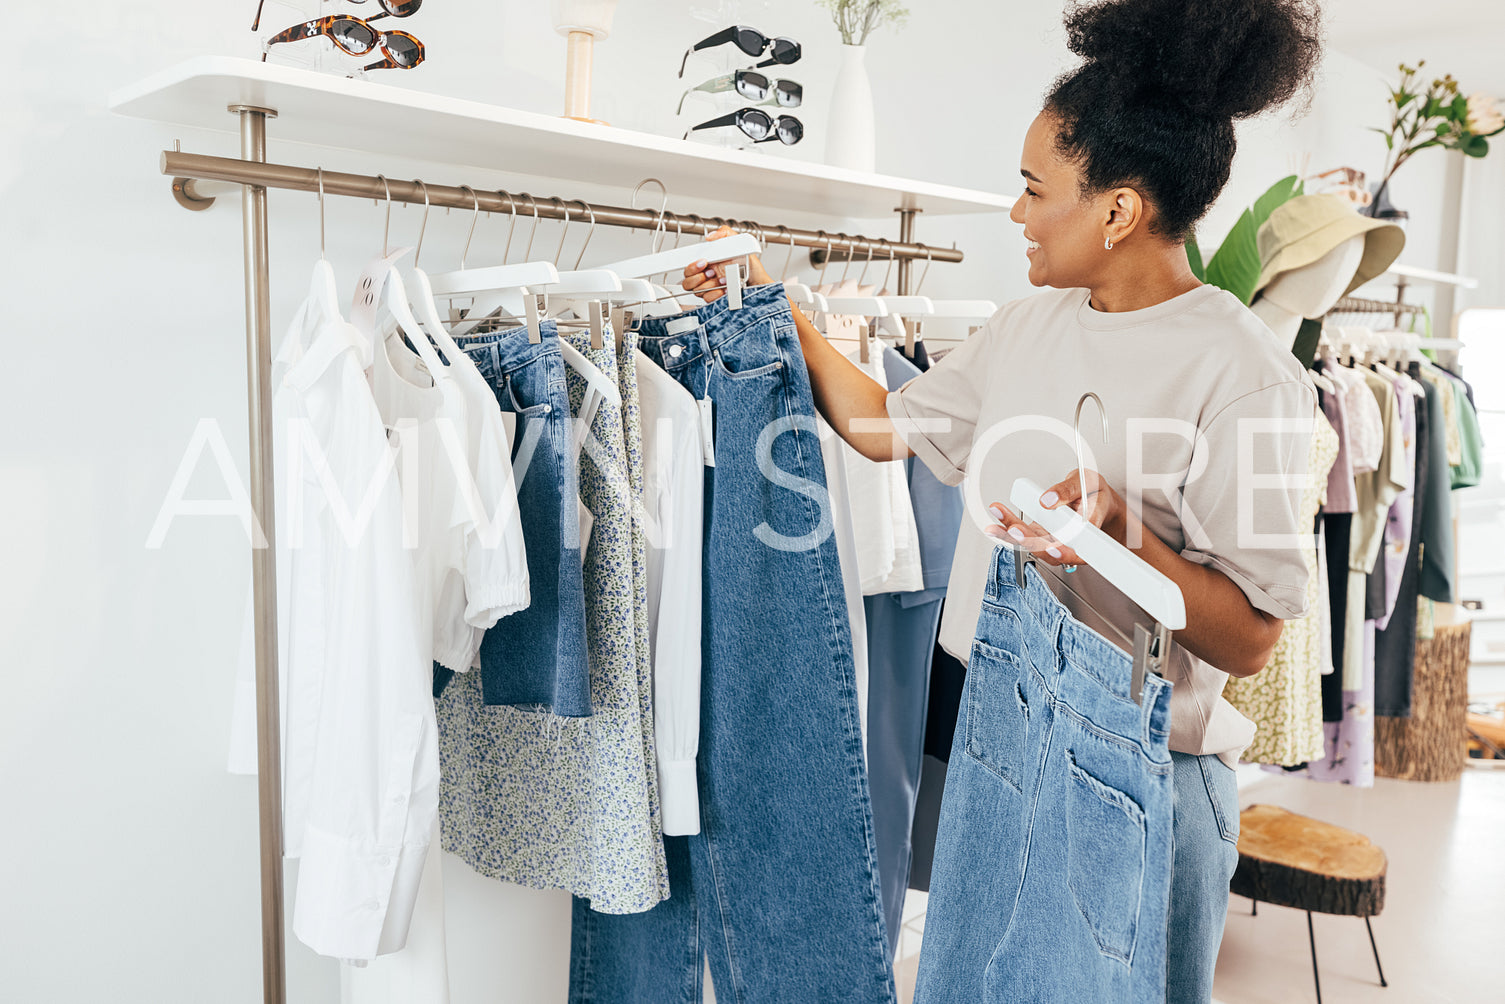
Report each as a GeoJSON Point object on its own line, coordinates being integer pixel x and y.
{"type": "Point", "coordinates": [549, 484]}
{"type": "Point", "coordinates": [1401, 435]}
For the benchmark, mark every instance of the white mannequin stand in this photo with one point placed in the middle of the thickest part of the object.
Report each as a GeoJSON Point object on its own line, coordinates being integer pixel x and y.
{"type": "Point", "coordinates": [581, 22]}
{"type": "Point", "coordinates": [1309, 291]}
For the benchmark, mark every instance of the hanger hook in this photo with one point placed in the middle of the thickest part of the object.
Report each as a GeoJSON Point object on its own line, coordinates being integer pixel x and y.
{"type": "Point", "coordinates": [511, 225]}
{"type": "Point", "coordinates": [826, 261]}
{"type": "Point", "coordinates": [474, 217]}
{"type": "Point", "coordinates": [863, 274]}
{"type": "Point", "coordinates": [322, 253]}
{"type": "Point", "coordinates": [679, 232]}
{"type": "Point", "coordinates": [788, 258]}
{"type": "Point", "coordinates": [424, 225]}
{"type": "Point", "coordinates": [929, 254]}
{"type": "Point", "coordinates": [387, 226]}
{"type": "Point", "coordinates": [662, 207]}
{"type": "Point", "coordinates": [888, 270]}
{"type": "Point", "coordinates": [528, 252]}
{"type": "Point", "coordinates": [1076, 429]}
{"type": "Point", "coordinates": [847, 266]}
{"type": "Point", "coordinates": [590, 210]}
{"type": "Point", "coordinates": [564, 208]}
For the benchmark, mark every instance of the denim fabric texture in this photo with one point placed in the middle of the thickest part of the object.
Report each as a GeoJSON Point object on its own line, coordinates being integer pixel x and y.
{"type": "Point", "coordinates": [1206, 824]}
{"type": "Point", "coordinates": [900, 640]}
{"type": "Point", "coordinates": [538, 656]}
{"type": "Point", "coordinates": [780, 888]}
{"type": "Point", "coordinates": [1052, 872]}
{"type": "Point", "coordinates": [567, 803]}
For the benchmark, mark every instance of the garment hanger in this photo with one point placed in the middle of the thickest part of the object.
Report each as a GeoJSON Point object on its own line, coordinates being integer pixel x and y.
{"type": "Point", "coordinates": [798, 292]}
{"type": "Point", "coordinates": [381, 285]}
{"type": "Point", "coordinates": [322, 288]}
{"type": "Point", "coordinates": [498, 287]}
{"type": "Point", "coordinates": [395, 287]}
{"type": "Point", "coordinates": [862, 306]}
{"type": "Point", "coordinates": [678, 259]}
{"type": "Point", "coordinates": [425, 306]}
{"type": "Point", "coordinates": [1150, 589]}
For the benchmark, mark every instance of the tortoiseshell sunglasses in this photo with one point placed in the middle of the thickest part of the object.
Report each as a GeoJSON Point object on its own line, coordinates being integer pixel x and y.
{"type": "Point", "coordinates": [389, 8]}
{"type": "Point", "coordinates": [356, 37]}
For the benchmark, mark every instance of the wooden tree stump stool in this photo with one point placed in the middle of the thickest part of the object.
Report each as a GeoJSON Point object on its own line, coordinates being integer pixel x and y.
{"type": "Point", "coordinates": [1303, 863]}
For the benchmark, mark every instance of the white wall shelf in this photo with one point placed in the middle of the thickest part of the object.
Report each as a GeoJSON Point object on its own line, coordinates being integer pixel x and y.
{"type": "Point", "coordinates": [329, 111]}
{"type": "Point", "coordinates": [1429, 275]}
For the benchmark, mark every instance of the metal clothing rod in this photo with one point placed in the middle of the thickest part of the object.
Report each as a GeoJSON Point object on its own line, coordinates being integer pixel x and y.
{"type": "Point", "coordinates": [364, 186]}
{"type": "Point", "coordinates": [1359, 305]}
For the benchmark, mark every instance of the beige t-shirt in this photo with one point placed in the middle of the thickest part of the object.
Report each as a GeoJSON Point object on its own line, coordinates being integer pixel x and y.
{"type": "Point", "coordinates": [1190, 386]}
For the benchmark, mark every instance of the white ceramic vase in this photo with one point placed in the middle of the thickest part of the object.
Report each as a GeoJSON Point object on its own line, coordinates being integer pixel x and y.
{"type": "Point", "coordinates": [850, 136]}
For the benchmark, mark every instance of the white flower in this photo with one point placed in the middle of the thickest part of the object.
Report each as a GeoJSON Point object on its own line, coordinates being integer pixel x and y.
{"type": "Point", "coordinates": [1483, 117]}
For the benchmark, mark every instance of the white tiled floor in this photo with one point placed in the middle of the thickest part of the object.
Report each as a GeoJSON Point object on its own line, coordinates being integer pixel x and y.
{"type": "Point", "coordinates": [1441, 936]}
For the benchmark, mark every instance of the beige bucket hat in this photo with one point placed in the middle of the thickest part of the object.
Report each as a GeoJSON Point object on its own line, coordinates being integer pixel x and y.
{"type": "Point", "coordinates": [1303, 229]}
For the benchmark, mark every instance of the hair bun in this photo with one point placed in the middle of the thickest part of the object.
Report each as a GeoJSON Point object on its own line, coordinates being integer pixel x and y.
{"type": "Point", "coordinates": [1225, 59]}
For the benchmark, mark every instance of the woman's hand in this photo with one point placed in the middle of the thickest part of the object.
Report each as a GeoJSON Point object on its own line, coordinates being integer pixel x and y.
{"type": "Point", "coordinates": [708, 281]}
{"type": "Point", "coordinates": [1104, 508]}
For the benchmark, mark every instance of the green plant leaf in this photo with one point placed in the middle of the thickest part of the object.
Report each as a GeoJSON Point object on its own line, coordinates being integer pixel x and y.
{"type": "Point", "coordinates": [1235, 266]}
{"type": "Point", "coordinates": [1460, 108]}
{"type": "Point", "coordinates": [1477, 146]}
{"type": "Point", "coordinates": [1194, 259]}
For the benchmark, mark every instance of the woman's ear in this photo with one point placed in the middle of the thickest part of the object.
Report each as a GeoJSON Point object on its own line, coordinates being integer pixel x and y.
{"type": "Point", "coordinates": [1125, 214]}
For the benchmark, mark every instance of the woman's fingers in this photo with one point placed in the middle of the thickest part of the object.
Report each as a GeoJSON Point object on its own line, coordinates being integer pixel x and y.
{"type": "Point", "coordinates": [1032, 537]}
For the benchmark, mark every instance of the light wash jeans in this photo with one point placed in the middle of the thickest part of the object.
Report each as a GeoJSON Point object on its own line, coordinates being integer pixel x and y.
{"type": "Point", "coordinates": [1052, 869]}
{"type": "Point", "coordinates": [1206, 822]}
{"type": "Point", "coordinates": [779, 890]}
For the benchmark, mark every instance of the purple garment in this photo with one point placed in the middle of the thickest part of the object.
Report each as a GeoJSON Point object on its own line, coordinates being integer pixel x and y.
{"type": "Point", "coordinates": [1397, 546]}
{"type": "Point", "coordinates": [1349, 743]}
{"type": "Point", "coordinates": [1340, 489]}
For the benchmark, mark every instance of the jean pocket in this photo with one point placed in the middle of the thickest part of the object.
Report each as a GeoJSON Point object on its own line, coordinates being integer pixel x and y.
{"type": "Point", "coordinates": [997, 712]}
{"type": "Point", "coordinates": [1105, 852]}
{"type": "Point", "coordinates": [1222, 792]}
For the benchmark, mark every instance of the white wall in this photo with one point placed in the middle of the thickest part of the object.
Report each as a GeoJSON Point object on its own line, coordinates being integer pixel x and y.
{"type": "Point", "coordinates": [128, 863]}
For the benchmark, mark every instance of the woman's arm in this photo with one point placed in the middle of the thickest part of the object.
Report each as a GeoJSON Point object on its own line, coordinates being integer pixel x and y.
{"type": "Point", "coordinates": [846, 397]}
{"type": "Point", "coordinates": [1222, 627]}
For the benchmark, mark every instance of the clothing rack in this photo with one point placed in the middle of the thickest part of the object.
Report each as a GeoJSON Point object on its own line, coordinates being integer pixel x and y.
{"type": "Point", "coordinates": [254, 175]}
{"type": "Point", "coordinates": [1359, 305]}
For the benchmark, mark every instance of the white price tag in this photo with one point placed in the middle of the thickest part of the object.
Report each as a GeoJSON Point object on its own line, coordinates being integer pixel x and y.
{"type": "Point", "coordinates": [707, 432]}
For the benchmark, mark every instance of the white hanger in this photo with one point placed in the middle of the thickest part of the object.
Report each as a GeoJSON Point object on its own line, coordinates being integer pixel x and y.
{"type": "Point", "coordinates": [865, 306]}
{"type": "Point", "coordinates": [1154, 593]}
{"type": "Point", "coordinates": [798, 292]}
{"type": "Point", "coordinates": [977, 310]}
{"type": "Point", "coordinates": [497, 287]}
{"type": "Point", "coordinates": [677, 259]}
{"type": "Point", "coordinates": [322, 288]}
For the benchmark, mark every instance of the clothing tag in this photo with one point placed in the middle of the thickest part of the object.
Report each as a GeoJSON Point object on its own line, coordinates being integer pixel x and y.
{"type": "Point", "coordinates": [680, 325]}
{"type": "Point", "coordinates": [707, 432]}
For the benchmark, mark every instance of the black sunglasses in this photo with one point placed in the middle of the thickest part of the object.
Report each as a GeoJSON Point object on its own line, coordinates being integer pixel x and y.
{"type": "Point", "coordinates": [753, 86]}
{"type": "Point", "coordinates": [751, 41]}
{"type": "Point", "coordinates": [389, 8]}
{"type": "Point", "coordinates": [758, 126]}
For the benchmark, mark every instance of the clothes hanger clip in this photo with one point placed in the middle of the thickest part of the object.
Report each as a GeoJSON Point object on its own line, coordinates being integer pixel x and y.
{"type": "Point", "coordinates": [734, 286]}
{"type": "Point", "coordinates": [911, 333]}
{"type": "Point", "coordinates": [862, 339]}
{"type": "Point", "coordinates": [531, 308]}
{"type": "Point", "coordinates": [593, 309]}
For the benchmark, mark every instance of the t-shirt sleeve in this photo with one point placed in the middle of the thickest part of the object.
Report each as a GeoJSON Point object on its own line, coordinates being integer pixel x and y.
{"type": "Point", "coordinates": [1241, 505]}
{"type": "Point", "coordinates": [936, 413]}
{"type": "Point", "coordinates": [495, 563]}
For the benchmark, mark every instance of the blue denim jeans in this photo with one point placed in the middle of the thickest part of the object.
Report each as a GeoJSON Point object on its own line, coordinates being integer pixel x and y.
{"type": "Point", "coordinates": [1052, 866]}
{"type": "Point", "coordinates": [780, 888]}
{"type": "Point", "coordinates": [538, 656]}
{"type": "Point", "coordinates": [1206, 855]}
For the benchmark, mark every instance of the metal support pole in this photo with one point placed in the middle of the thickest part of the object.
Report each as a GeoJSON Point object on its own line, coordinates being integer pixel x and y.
{"type": "Point", "coordinates": [906, 236]}
{"type": "Point", "coordinates": [253, 147]}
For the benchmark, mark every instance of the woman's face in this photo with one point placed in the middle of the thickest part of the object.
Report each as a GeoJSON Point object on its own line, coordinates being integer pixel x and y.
{"type": "Point", "coordinates": [1065, 229]}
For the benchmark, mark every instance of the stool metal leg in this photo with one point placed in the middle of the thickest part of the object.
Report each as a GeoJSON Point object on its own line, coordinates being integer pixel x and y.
{"type": "Point", "coordinates": [1376, 952]}
{"type": "Point", "coordinates": [1312, 937]}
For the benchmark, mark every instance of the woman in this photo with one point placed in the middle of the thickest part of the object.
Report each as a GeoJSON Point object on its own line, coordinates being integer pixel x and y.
{"type": "Point", "coordinates": [1129, 152]}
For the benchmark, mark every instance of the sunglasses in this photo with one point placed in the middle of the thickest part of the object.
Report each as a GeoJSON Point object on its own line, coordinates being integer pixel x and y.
{"type": "Point", "coordinates": [389, 8]}
{"type": "Point", "coordinates": [758, 126]}
{"type": "Point", "coordinates": [753, 86]}
{"type": "Point", "coordinates": [357, 38]}
{"type": "Point", "coordinates": [751, 41]}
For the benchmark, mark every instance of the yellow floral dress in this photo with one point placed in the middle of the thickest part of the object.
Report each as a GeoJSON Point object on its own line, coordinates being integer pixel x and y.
{"type": "Point", "coordinates": [1284, 700]}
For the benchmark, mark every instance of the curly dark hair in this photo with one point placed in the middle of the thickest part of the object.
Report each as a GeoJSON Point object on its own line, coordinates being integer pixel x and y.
{"type": "Point", "coordinates": [1153, 105]}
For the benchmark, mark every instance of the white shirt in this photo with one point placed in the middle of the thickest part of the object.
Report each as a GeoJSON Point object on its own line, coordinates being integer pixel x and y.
{"type": "Point", "coordinates": [831, 451]}
{"type": "Point", "coordinates": [673, 501]}
{"type": "Point", "coordinates": [883, 525]}
{"type": "Point", "coordinates": [359, 746]}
